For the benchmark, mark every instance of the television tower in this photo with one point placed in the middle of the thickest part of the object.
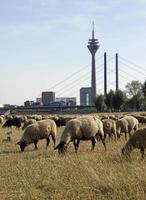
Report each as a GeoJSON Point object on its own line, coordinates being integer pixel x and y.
{"type": "Point", "coordinates": [93, 47]}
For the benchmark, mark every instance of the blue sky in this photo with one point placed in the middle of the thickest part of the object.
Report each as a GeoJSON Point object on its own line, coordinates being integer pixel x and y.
{"type": "Point", "coordinates": [43, 45]}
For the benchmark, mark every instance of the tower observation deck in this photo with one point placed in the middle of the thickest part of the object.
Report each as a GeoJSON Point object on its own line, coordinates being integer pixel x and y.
{"type": "Point", "coordinates": [93, 46]}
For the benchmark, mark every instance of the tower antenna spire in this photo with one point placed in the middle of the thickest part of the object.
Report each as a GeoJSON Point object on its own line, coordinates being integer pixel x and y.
{"type": "Point", "coordinates": [93, 30]}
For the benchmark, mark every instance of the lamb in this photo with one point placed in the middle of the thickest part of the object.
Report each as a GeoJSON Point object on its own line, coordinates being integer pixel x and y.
{"type": "Point", "coordinates": [126, 125]}
{"type": "Point", "coordinates": [109, 128]}
{"type": "Point", "coordinates": [82, 128]}
{"type": "Point", "coordinates": [40, 130]}
{"type": "Point", "coordinates": [137, 140]}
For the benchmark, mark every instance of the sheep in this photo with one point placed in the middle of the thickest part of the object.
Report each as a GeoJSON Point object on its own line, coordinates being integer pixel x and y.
{"type": "Point", "coordinates": [28, 122]}
{"type": "Point", "coordinates": [82, 128]}
{"type": "Point", "coordinates": [126, 125]}
{"type": "Point", "coordinates": [109, 127]}
{"type": "Point", "coordinates": [61, 120]}
{"type": "Point", "coordinates": [137, 140]}
{"type": "Point", "coordinates": [141, 119]}
{"type": "Point", "coordinates": [12, 122]}
{"type": "Point", "coordinates": [113, 117]}
{"type": "Point", "coordinates": [40, 130]}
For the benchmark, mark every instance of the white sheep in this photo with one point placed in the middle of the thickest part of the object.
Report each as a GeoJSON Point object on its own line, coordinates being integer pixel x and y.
{"type": "Point", "coordinates": [82, 128]}
{"type": "Point", "coordinates": [109, 128]}
{"type": "Point", "coordinates": [40, 130]}
{"type": "Point", "coordinates": [28, 122]}
{"type": "Point", "coordinates": [126, 125]}
{"type": "Point", "coordinates": [137, 140]}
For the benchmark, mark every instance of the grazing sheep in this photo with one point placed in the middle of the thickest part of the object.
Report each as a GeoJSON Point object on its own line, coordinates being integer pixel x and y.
{"type": "Point", "coordinates": [113, 117]}
{"type": "Point", "coordinates": [109, 128]}
{"type": "Point", "coordinates": [141, 119]}
{"type": "Point", "coordinates": [126, 125]}
{"type": "Point", "coordinates": [104, 117]}
{"type": "Point", "coordinates": [28, 122]}
{"type": "Point", "coordinates": [12, 122]}
{"type": "Point", "coordinates": [40, 130]}
{"type": "Point", "coordinates": [137, 140]}
{"type": "Point", "coordinates": [37, 117]}
{"type": "Point", "coordinates": [82, 128]}
{"type": "Point", "coordinates": [61, 120]}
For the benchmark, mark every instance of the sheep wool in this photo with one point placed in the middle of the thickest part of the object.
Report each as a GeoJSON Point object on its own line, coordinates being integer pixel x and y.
{"type": "Point", "coordinates": [28, 122]}
{"type": "Point", "coordinates": [40, 130]}
{"type": "Point", "coordinates": [126, 125]}
{"type": "Point", "coordinates": [109, 127]}
{"type": "Point", "coordinates": [137, 140]}
{"type": "Point", "coordinates": [81, 128]}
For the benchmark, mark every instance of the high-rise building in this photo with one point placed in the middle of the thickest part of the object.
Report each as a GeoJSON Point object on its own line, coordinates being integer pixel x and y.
{"type": "Point", "coordinates": [28, 103]}
{"type": "Point", "coordinates": [93, 47]}
{"type": "Point", "coordinates": [85, 96]}
{"type": "Point", "coordinates": [39, 100]}
{"type": "Point", "coordinates": [48, 97]}
{"type": "Point", "coordinates": [70, 101]}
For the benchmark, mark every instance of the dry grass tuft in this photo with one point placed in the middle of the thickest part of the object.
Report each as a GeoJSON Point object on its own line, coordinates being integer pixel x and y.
{"type": "Point", "coordinates": [43, 174]}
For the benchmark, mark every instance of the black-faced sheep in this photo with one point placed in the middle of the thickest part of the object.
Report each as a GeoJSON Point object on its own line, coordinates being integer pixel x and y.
{"type": "Point", "coordinates": [12, 122]}
{"type": "Point", "coordinates": [126, 125]}
{"type": "Point", "coordinates": [82, 128]}
{"type": "Point", "coordinates": [137, 140]}
{"type": "Point", "coordinates": [40, 130]}
{"type": "Point", "coordinates": [109, 128]}
{"type": "Point", "coordinates": [141, 119]}
{"type": "Point", "coordinates": [61, 120]}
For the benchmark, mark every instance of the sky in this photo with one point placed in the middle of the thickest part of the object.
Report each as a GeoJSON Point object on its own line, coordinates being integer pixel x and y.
{"type": "Point", "coordinates": [43, 45]}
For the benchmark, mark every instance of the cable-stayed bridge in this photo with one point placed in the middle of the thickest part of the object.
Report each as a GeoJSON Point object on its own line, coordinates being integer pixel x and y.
{"type": "Point", "coordinates": [127, 71]}
{"type": "Point", "coordinates": [70, 86]}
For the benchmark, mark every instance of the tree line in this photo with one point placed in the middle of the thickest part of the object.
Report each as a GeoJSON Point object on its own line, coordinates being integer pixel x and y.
{"type": "Point", "coordinates": [132, 99]}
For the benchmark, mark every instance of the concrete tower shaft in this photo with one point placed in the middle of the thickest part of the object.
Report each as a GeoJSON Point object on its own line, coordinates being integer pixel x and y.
{"type": "Point", "coordinates": [93, 46]}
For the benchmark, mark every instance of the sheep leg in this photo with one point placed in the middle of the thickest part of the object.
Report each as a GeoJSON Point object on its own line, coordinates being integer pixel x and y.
{"type": "Point", "coordinates": [115, 136]}
{"type": "Point", "coordinates": [126, 136]}
{"type": "Point", "coordinates": [129, 134]}
{"type": "Point", "coordinates": [35, 144]}
{"type": "Point", "coordinates": [76, 144]}
{"type": "Point", "coordinates": [54, 140]}
{"type": "Point", "coordinates": [103, 142]}
{"type": "Point", "coordinates": [48, 141]}
{"type": "Point", "coordinates": [93, 143]}
{"type": "Point", "coordinates": [142, 150]}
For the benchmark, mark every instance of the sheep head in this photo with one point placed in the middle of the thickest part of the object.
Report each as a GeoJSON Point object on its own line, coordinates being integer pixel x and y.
{"type": "Point", "coordinates": [62, 147]}
{"type": "Point", "coordinates": [126, 150]}
{"type": "Point", "coordinates": [22, 145]}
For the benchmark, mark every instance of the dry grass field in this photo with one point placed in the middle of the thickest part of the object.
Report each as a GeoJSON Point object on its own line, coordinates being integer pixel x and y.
{"type": "Point", "coordinates": [44, 174]}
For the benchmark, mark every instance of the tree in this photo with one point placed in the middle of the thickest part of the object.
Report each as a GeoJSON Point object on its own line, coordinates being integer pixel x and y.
{"type": "Point", "coordinates": [135, 103]}
{"type": "Point", "coordinates": [134, 88]}
{"type": "Point", "coordinates": [109, 99]}
{"type": "Point", "coordinates": [100, 103]}
{"type": "Point", "coordinates": [144, 89]}
{"type": "Point", "coordinates": [119, 99]}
